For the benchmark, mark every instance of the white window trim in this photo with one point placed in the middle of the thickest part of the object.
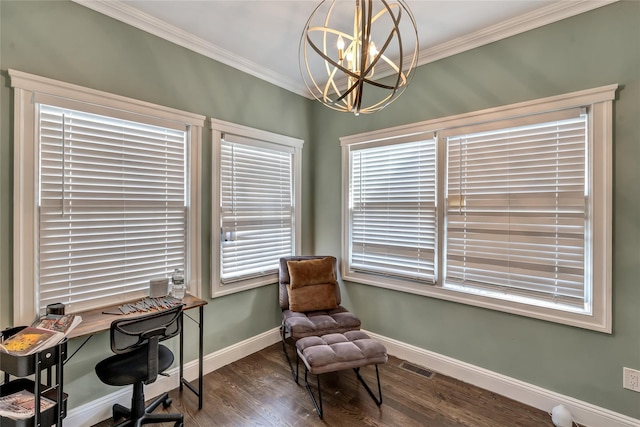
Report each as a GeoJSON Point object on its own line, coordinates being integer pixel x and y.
{"type": "Point", "coordinates": [218, 128]}
{"type": "Point", "coordinates": [600, 101]}
{"type": "Point", "coordinates": [25, 210]}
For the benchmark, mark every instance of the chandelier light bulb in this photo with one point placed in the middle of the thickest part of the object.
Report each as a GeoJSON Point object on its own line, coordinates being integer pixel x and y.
{"type": "Point", "coordinates": [351, 26]}
{"type": "Point", "coordinates": [340, 46]}
{"type": "Point", "coordinates": [372, 50]}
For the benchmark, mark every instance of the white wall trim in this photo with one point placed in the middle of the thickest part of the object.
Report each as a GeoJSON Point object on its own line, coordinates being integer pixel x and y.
{"type": "Point", "coordinates": [596, 314]}
{"type": "Point", "coordinates": [29, 91]}
{"type": "Point", "coordinates": [152, 25]}
{"type": "Point", "coordinates": [43, 86]}
{"type": "Point", "coordinates": [100, 409]}
{"type": "Point", "coordinates": [584, 413]}
{"type": "Point", "coordinates": [266, 139]}
{"type": "Point", "coordinates": [528, 21]}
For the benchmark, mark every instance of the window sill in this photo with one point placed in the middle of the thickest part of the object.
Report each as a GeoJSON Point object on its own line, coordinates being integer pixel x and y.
{"type": "Point", "coordinates": [219, 289]}
{"type": "Point", "coordinates": [596, 321]}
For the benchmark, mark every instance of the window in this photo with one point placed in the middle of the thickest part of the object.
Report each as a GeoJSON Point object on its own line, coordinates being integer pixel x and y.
{"type": "Point", "coordinates": [517, 213]}
{"type": "Point", "coordinates": [256, 181]}
{"type": "Point", "coordinates": [525, 219]}
{"type": "Point", "coordinates": [105, 199]}
{"type": "Point", "coordinates": [392, 208]}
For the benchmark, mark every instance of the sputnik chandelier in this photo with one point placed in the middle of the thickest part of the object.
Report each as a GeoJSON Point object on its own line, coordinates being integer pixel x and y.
{"type": "Point", "coordinates": [348, 46]}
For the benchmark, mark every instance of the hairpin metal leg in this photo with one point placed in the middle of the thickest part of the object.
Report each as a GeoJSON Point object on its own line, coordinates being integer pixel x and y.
{"type": "Point", "coordinates": [375, 399]}
{"type": "Point", "coordinates": [317, 404]}
{"type": "Point", "coordinates": [286, 354]}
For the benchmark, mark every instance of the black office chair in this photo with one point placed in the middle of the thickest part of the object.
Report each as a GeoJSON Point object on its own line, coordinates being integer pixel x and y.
{"type": "Point", "coordinates": [138, 360]}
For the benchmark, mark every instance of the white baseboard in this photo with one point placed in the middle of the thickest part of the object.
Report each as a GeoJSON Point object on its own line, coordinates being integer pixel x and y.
{"type": "Point", "coordinates": [584, 413]}
{"type": "Point", "coordinates": [100, 409]}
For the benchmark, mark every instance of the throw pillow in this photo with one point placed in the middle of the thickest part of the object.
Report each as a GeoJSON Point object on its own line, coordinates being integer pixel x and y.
{"type": "Point", "coordinates": [312, 297]}
{"type": "Point", "coordinates": [312, 272]}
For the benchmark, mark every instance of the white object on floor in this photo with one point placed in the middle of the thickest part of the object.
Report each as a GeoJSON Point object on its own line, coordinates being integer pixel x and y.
{"type": "Point", "coordinates": [561, 416]}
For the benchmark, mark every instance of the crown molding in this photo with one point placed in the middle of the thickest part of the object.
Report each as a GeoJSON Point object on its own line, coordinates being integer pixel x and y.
{"type": "Point", "coordinates": [535, 19]}
{"type": "Point", "coordinates": [528, 21]}
{"type": "Point", "coordinates": [145, 22]}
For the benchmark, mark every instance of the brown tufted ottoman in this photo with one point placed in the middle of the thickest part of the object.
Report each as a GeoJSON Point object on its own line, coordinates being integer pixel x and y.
{"type": "Point", "coordinates": [335, 352]}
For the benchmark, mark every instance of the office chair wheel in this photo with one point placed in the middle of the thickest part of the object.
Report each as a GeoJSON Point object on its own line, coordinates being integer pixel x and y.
{"type": "Point", "coordinates": [167, 402]}
{"type": "Point", "coordinates": [178, 424]}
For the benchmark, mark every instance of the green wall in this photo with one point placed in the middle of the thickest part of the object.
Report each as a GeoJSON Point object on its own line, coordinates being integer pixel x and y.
{"type": "Point", "coordinates": [590, 50]}
{"type": "Point", "coordinates": [71, 43]}
{"type": "Point", "coordinates": [68, 42]}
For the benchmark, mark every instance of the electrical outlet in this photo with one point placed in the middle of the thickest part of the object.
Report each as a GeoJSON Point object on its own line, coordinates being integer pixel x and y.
{"type": "Point", "coordinates": [631, 379]}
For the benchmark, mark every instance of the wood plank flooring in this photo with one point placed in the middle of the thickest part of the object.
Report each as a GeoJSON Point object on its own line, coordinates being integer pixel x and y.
{"type": "Point", "coordinates": [259, 391]}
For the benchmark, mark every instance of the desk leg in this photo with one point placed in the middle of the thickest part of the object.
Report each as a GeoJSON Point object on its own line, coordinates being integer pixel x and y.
{"type": "Point", "coordinates": [182, 351]}
{"type": "Point", "coordinates": [200, 389]}
{"type": "Point", "coordinates": [200, 356]}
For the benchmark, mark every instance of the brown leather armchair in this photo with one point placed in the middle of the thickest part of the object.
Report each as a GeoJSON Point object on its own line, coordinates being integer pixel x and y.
{"type": "Point", "coordinates": [328, 318]}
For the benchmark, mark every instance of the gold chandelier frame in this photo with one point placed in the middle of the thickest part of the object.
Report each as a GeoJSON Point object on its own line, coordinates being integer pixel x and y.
{"type": "Point", "coordinates": [350, 67]}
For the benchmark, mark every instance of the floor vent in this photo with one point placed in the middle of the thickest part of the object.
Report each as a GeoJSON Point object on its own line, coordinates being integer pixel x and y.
{"type": "Point", "coordinates": [416, 369]}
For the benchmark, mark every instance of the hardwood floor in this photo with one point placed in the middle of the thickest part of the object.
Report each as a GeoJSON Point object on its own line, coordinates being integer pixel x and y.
{"type": "Point", "coordinates": [259, 391]}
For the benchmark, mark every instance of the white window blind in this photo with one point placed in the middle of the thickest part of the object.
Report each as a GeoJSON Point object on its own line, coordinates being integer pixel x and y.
{"type": "Point", "coordinates": [257, 209]}
{"type": "Point", "coordinates": [393, 209]}
{"type": "Point", "coordinates": [113, 203]}
{"type": "Point", "coordinates": [517, 213]}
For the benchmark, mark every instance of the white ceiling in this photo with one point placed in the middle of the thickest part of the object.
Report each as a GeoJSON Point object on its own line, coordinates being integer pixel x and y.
{"type": "Point", "coordinates": [261, 37]}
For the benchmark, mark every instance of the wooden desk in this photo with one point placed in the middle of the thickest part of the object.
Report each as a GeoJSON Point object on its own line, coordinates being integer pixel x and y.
{"type": "Point", "coordinates": [95, 321]}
